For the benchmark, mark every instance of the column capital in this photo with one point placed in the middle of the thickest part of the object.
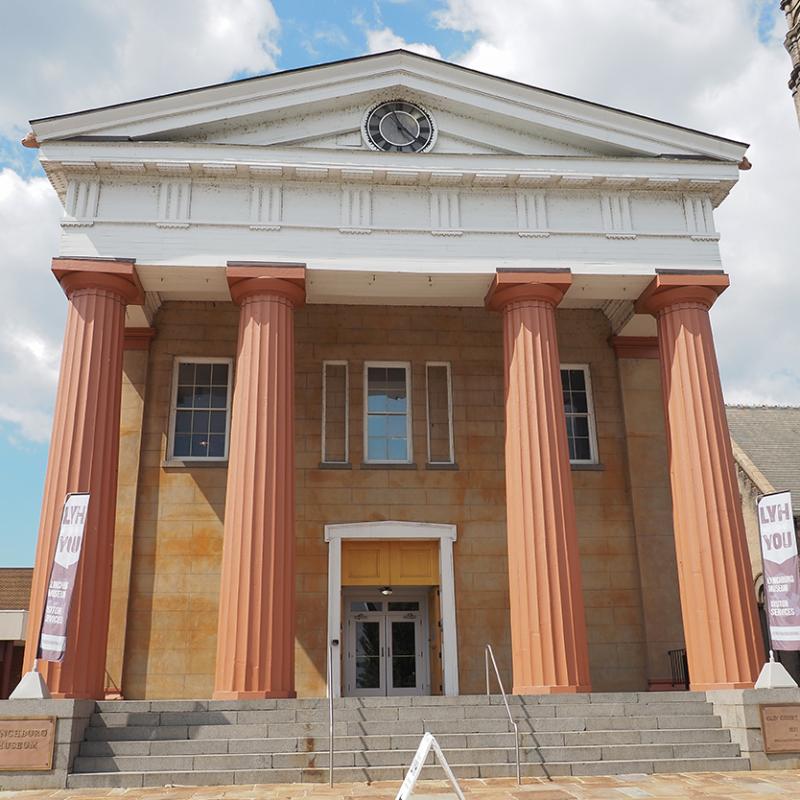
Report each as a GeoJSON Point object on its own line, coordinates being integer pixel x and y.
{"type": "Point", "coordinates": [669, 289]}
{"type": "Point", "coordinates": [535, 285]}
{"type": "Point", "coordinates": [249, 278]}
{"type": "Point", "coordinates": [116, 275]}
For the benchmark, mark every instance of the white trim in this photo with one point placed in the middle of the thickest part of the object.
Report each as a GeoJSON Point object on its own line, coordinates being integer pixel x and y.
{"type": "Point", "coordinates": [446, 535]}
{"type": "Point", "coordinates": [406, 365]}
{"type": "Point", "coordinates": [323, 453]}
{"type": "Point", "coordinates": [446, 365]}
{"type": "Point", "coordinates": [169, 458]}
{"type": "Point", "coordinates": [594, 457]}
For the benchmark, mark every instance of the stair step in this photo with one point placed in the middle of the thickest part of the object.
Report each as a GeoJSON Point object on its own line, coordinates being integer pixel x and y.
{"type": "Point", "coordinates": [396, 773]}
{"type": "Point", "coordinates": [401, 742]}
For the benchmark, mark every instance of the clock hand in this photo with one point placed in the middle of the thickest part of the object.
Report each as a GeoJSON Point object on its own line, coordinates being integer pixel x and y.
{"type": "Point", "coordinates": [402, 127]}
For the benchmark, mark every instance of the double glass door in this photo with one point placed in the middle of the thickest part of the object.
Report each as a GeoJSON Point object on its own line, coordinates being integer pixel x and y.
{"type": "Point", "coordinates": [386, 647]}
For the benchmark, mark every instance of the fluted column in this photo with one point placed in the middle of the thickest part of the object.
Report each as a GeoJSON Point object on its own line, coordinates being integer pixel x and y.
{"type": "Point", "coordinates": [548, 627]}
{"type": "Point", "coordinates": [723, 638]}
{"type": "Point", "coordinates": [255, 642]}
{"type": "Point", "coordinates": [83, 457]}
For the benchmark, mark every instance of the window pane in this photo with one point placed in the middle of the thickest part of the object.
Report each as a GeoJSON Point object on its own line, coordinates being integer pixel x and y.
{"type": "Point", "coordinates": [202, 397]}
{"type": "Point", "coordinates": [219, 374]}
{"type": "Point", "coordinates": [216, 446]}
{"type": "Point", "coordinates": [396, 425]}
{"type": "Point", "coordinates": [218, 421]}
{"type": "Point", "coordinates": [183, 421]}
{"type": "Point", "coordinates": [184, 396]}
{"type": "Point", "coordinates": [182, 446]}
{"type": "Point", "coordinates": [579, 402]}
{"type": "Point", "coordinates": [581, 426]}
{"type": "Point", "coordinates": [582, 450]}
{"type": "Point", "coordinates": [219, 397]}
{"type": "Point", "coordinates": [376, 449]}
{"type": "Point", "coordinates": [200, 422]}
{"type": "Point", "coordinates": [200, 444]}
{"type": "Point", "coordinates": [376, 425]}
{"type": "Point", "coordinates": [186, 374]}
{"type": "Point", "coordinates": [396, 401]}
{"type": "Point", "coordinates": [577, 380]}
{"type": "Point", "coordinates": [202, 374]}
{"type": "Point", "coordinates": [376, 400]}
{"type": "Point", "coordinates": [397, 449]}
{"type": "Point", "coordinates": [365, 605]}
{"type": "Point", "coordinates": [404, 606]}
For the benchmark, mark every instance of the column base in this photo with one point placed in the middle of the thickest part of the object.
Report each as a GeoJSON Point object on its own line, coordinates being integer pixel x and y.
{"type": "Point", "coordinates": [253, 695]}
{"type": "Point", "coordinates": [710, 687]}
{"type": "Point", "coordinates": [551, 689]}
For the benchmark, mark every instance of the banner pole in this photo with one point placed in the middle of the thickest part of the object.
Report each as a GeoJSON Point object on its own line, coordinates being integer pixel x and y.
{"type": "Point", "coordinates": [770, 648]}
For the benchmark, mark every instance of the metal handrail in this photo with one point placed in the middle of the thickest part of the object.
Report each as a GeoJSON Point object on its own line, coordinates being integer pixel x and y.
{"type": "Point", "coordinates": [489, 653]}
{"type": "Point", "coordinates": [330, 715]}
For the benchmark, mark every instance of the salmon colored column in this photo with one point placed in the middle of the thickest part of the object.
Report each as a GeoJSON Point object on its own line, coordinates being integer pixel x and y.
{"type": "Point", "coordinates": [84, 449]}
{"type": "Point", "coordinates": [255, 641]}
{"type": "Point", "coordinates": [723, 637]}
{"type": "Point", "coordinates": [548, 628]}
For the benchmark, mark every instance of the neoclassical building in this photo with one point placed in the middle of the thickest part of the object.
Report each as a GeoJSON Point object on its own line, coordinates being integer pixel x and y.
{"type": "Point", "coordinates": [380, 361]}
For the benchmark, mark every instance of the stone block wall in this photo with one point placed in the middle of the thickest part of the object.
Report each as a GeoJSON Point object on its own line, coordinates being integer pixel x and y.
{"type": "Point", "coordinates": [172, 614]}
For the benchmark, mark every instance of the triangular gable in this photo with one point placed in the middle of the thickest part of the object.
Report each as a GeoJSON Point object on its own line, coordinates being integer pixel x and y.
{"type": "Point", "coordinates": [490, 113]}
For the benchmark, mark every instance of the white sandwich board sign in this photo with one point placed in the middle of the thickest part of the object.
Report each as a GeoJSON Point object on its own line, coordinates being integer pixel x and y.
{"type": "Point", "coordinates": [427, 744]}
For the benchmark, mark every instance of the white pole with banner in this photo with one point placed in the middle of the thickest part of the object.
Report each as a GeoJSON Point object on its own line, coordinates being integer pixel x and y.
{"type": "Point", "coordinates": [781, 571]}
{"type": "Point", "coordinates": [52, 644]}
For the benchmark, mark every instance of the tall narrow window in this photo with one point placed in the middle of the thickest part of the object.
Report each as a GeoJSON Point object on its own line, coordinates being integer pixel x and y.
{"type": "Point", "coordinates": [387, 411]}
{"type": "Point", "coordinates": [200, 414]}
{"type": "Point", "coordinates": [334, 412]}
{"type": "Point", "coordinates": [440, 413]}
{"type": "Point", "coordinates": [578, 408]}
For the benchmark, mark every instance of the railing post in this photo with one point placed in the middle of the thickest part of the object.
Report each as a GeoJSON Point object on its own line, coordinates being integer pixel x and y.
{"type": "Point", "coordinates": [330, 715]}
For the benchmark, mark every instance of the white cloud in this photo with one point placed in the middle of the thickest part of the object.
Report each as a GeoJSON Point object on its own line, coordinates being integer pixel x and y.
{"type": "Point", "coordinates": [32, 326]}
{"type": "Point", "coordinates": [60, 57]}
{"type": "Point", "coordinates": [702, 65]}
{"type": "Point", "coordinates": [382, 39]}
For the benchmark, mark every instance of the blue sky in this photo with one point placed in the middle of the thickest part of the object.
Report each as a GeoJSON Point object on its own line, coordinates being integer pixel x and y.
{"type": "Point", "coordinates": [720, 69]}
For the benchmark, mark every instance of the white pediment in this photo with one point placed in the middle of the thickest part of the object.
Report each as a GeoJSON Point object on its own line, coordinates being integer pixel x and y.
{"type": "Point", "coordinates": [322, 108]}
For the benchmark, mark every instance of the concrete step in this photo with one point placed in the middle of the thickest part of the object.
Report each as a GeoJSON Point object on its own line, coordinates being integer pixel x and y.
{"type": "Point", "coordinates": [382, 714]}
{"type": "Point", "coordinates": [400, 758]}
{"type": "Point", "coordinates": [395, 773]}
{"type": "Point", "coordinates": [401, 742]}
{"type": "Point", "coordinates": [315, 730]}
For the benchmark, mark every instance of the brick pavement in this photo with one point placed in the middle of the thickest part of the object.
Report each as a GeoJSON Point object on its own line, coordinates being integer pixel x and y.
{"type": "Point", "coordinates": [706, 785]}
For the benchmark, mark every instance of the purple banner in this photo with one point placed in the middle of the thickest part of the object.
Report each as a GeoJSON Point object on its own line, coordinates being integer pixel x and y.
{"type": "Point", "coordinates": [53, 638]}
{"type": "Point", "coordinates": [781, 570]}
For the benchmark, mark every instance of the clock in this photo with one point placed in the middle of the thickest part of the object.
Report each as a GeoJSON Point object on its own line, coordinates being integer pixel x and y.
{"type": "Point", "coordinates": [397, 126]}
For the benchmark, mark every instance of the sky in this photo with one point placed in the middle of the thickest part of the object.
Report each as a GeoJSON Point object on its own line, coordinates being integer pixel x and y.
{"type": "Point", "coordinates": [716, 65]}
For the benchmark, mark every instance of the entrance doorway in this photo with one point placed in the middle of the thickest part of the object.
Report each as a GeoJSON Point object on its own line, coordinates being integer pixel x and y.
{"type": "Point", "coordinates": [386, 644]}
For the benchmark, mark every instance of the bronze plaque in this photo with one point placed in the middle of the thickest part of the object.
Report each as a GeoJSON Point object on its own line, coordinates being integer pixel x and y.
{"type": "Point", "coordinates": [780, 725]}
{"type": "Point", "coordinates": [26, 743]}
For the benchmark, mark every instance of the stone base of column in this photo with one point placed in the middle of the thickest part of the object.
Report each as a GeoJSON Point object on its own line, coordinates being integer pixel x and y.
{"type": "Point", "coordinates": [528, 690]}
{"type": "Point", "coordinates": [254, 695]}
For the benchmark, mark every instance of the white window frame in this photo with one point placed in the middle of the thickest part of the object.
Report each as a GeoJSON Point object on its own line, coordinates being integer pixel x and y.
{"type": "Point", "coordinates": [325, 364]}
{"type": "Point", "coordinates": [593, 459]}
{"type": "Point", "coordinates": [178, 360]}
{"type": "Point", "coordinates": [406, 365]}
{"type": "Point", "coordinates": [446, 365]}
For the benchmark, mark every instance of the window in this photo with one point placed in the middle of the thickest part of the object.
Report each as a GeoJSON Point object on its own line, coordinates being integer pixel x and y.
{"type": "Point", "coordinates": [387, 413]}
{"type": "Point", "coordinates": [440, 412]}
{"type": "Point", "coordinates": [200, 415]}
{"type": "Point", "coordinates": [581, 435]}
{"type": "Point", "coordinates": [335, 390]}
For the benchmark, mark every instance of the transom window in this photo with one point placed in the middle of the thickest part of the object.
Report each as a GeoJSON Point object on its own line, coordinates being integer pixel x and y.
{"type": "Point", "coordinates": [200, 418]}
{"type": "Point", "coordinates": [578, 409]}
{"type": "Point", "coordinates": [387, 428]}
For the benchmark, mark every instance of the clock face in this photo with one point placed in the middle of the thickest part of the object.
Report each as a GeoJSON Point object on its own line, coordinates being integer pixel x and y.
{"type": "Point", "coordinates": [396, 126]}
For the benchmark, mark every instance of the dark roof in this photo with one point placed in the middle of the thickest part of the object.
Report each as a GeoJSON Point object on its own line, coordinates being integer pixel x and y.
{"type": "Point", "coordinates": [15, 588]}
{"type": "Point", "coordinates": [770, 436]}
{"type": "Point", "coordinates": [369, 56]}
